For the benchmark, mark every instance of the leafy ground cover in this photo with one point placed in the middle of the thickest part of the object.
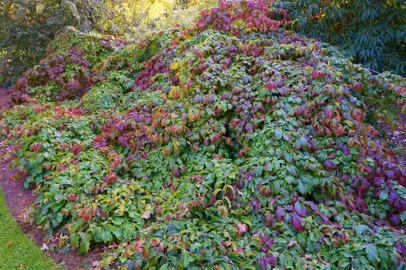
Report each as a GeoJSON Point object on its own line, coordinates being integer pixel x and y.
{"type": "Point", "coordinates": [230, 144]}
{"type": "Point", "coordinates": [17, 251]}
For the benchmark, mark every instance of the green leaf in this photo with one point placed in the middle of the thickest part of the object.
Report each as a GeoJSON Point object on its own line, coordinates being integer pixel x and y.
{"type": "Point", "coordinates": [372, 252]}
{"type": "Point", "coordinates": [164, 266]}
{"type": "Point", "coordinates": [84, 243]}
{"type": "Point", "coordinates": [74, 240]}
{"type": "Point", "coordinates": [384, 257]}
{"type": "Point", "coordinates": [278, 134]}
{"type": "Point", "coordinates": [361, 228]}
{"type": "Point", "coordinates": [186, 259]}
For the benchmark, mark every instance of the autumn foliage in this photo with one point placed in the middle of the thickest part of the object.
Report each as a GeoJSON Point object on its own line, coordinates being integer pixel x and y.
{"type": "Point", "coordinates": [230, 144]}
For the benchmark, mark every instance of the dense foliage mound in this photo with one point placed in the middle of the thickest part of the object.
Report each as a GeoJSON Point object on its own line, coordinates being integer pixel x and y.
{"type": "Point", "coordinates": [232, 144]}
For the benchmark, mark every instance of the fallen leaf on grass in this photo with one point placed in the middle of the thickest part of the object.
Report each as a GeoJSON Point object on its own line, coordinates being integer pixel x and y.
{"type": "Point", "coordinates": [44, 247]}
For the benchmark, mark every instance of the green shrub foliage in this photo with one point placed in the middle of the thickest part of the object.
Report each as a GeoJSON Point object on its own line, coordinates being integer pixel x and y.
{"type": "Point", "coordinates": [231, 144]}
{"type": "Point", "coordinates": [372, 32]}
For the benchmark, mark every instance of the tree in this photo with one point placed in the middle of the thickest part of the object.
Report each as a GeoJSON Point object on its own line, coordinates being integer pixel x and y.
{"type": "Point", "coordinates": [373, 32]}
{"type": "Point", "coordinates": [26, 27]}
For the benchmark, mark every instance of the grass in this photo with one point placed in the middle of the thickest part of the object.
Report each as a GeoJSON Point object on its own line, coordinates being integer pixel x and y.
{"type": "Point", "coordinates": [16, 250]}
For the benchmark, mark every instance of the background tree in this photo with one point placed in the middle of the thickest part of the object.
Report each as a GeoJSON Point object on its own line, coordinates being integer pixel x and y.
{"type": "Point", "coordinates": [25, 29]}
{"type": "Point", "coordinates": [373, 32]}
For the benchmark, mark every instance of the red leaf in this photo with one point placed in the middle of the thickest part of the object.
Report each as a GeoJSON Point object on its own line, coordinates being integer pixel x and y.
{"type": "Point", "coordinates": [72, 197]}
{"type": "Point", "coordinates": [242, 228]}
{"type": "Point", "coordinates": [111, 178]}
{"type": "Point", "coordinates": [297, 222]}
{"type": "Point", "coordinates": [138, 246]}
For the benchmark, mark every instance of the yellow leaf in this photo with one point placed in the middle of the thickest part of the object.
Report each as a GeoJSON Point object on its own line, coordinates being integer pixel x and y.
{"type": "Point", "coordinates": [174, 66]}
{"type": "Point", "coordinates": [175, 92]}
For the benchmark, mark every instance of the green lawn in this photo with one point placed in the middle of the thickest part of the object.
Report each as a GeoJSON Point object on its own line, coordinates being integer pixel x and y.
{"type": "Point", "coordinates": [16, 250]}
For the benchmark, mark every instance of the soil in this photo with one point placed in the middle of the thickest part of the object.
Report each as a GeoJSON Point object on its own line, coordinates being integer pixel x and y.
{"type": "Point", "coordinates": [20, 202]}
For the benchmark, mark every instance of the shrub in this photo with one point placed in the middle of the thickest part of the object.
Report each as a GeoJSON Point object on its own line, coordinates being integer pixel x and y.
{"type": "Point", "coordinates": [27, 27]}
{"type": "Point", "coordinates": [233, 143]}
{"type": "Point", "coordinates": [68, 73]}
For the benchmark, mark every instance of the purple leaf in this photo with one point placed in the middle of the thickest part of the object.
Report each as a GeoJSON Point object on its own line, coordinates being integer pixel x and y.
{"type": "Point", "coordinates": [401, 247]}
{"type": "Point", "coordinates": [280, 213]}
{"type": "Point", "coordinates": [265, 261]}
{"type": "Point", "coordinates": [394, 219]}
{"type": "Point", "coordinates": [300, 210]}
{"type": "Point", "coordinates": [297, 222]}
{"type": "Point", "coordinates": [266, 241]}
{"type": "Point", "coordinates": [257, 204]}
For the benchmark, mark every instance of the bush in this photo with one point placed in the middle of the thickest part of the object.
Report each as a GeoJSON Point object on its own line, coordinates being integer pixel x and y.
{"type": "Point", "coordinates": [68, 73]}
{"type": "Point", "coordinates": [372, 32]}
{"type": "Point", "coordinates": [230, 144]}
{"type": "Point", "coordinates": [24, 33]}
{"type": "Point", "coordinates": [27, 27]}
